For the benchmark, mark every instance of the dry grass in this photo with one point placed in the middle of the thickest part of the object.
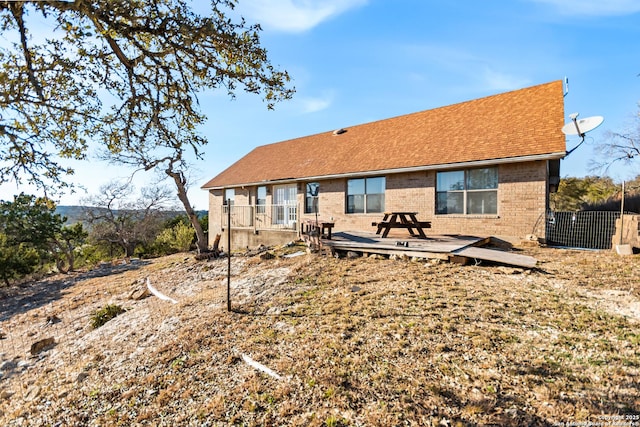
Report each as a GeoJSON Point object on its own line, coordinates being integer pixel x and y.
{"type": "Point", "coordinates": [365, 341]}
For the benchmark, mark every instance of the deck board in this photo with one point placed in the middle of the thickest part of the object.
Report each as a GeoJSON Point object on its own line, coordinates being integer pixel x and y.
{"type": "Point", "coordinates": [498, 256]}
{"type": "Point", "coordinates": [441, 247]}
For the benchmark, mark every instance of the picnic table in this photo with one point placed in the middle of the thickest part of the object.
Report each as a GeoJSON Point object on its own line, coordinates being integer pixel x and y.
{"type": "Point", "coordinates": [310, 226]}
{"type": "Point", "coordinates": [406, 220]}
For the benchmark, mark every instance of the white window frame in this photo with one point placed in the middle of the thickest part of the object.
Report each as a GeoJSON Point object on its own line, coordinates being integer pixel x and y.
{"type": "Point", "coordinates": [229, 196]}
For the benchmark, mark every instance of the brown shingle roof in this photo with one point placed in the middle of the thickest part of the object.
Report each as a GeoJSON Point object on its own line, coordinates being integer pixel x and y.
{"type": "Point", "coordinates": [521, 123]}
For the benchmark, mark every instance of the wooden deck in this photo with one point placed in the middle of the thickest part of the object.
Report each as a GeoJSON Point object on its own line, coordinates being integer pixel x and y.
{"type": "Point", "coordinates": [447, 247]}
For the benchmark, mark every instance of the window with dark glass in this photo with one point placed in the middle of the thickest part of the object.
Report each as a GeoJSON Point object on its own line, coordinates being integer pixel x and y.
{"type": "Point", "coordinates": [366, 195]}
{"type": "Point", "coordinates": [471, 192]}
{"type": "Point", "coordinates": [311, 197]}
{"type": "Point", "coordinates": [261, 199]}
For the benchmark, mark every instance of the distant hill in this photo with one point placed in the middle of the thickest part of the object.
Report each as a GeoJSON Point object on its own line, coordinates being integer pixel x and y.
{"type": "Point", "coordinates": [75, 214]}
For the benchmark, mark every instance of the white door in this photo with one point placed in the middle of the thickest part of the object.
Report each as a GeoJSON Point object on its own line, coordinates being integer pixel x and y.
{"type": "Point", "coordinates": [285, 199]}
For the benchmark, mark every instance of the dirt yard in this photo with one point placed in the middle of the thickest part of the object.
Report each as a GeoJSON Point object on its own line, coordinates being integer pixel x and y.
{"type": "Point", "coordinates": [315, 340]}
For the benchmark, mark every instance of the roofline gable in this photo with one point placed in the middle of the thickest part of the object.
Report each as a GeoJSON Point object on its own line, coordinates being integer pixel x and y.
{"type": "Point", "coordinates": [524, 123]}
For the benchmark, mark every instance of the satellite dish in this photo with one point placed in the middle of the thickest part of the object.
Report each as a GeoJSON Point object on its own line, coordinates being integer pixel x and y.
{"type": "Point", "coordinates": [582, 126]}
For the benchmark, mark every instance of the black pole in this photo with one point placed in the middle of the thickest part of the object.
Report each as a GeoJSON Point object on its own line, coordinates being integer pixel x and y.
{"type": "Point", "coordinates": [228, 254]}
{"type": "Point", "coordinates": [315, 208]}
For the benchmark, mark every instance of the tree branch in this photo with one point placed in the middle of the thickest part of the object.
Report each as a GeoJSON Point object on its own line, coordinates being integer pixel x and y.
{"type": "Point", "coordinates": [90, 12]}
{"type": "Point", "coordinates": [17, 10]}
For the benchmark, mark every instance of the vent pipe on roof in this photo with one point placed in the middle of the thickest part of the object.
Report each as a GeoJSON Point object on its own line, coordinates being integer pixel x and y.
{"type": "Point", "coordinates": [339, 132]}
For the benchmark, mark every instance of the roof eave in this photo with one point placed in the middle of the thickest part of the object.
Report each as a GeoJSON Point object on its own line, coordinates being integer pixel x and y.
{"type": "Point", "coordinates": [444, 166]}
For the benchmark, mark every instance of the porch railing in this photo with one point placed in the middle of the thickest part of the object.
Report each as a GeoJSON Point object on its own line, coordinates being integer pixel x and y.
{"type": "Point", "coordinates": [261, 217]}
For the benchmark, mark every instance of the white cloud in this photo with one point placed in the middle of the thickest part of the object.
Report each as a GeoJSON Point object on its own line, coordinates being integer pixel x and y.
{"type": "Point", "coordinates": [315, 104]}
{"type": "Point", "coordinates": [594, 7]}
{"type": "Point", "coordinates": [470, 67]}
{"type": "Point", "coordinates": [294, 16]}
{"type": "Point", "coordinates": [497, 81]}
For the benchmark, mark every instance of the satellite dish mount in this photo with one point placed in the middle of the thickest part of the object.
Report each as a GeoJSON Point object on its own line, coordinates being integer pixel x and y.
{"type": "Point", "coordinates": [580, 127]}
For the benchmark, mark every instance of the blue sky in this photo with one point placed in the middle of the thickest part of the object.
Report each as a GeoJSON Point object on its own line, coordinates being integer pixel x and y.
{"type": "Point", "coordinates": [356, 61]}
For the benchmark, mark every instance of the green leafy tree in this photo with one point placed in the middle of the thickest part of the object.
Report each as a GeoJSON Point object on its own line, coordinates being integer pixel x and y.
{"type": "Point", "coordinates": [576, 193]}
{"type": "Point", "coordinates": [16, 259]}
{"type": "Point", "coordinates": [203, 219]}
{"type": "Point", "coordinates": [30, 220]}
{"type": "Point", "coordinates": [204, 222]}
{"type": "Point", "coordinates": [126, 73]}
{"type": "Point", "coordinates": [28, 226]}
{"type": "Point", "coordinates": [176, 220]}
{"type": "Point", "coordinates": [65, 246]}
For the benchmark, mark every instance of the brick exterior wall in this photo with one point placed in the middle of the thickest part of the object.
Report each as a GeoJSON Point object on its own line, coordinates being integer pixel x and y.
{"type": "Point", "coordinates": [522, 203]}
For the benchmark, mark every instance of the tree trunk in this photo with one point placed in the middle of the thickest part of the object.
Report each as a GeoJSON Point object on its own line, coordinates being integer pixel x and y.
{"type": "Point", "coordinates": [65, 254]}
{"type": "Point", "coordinates": [128, 247]}
{"type": "Point", "coordinates": [70, 260]}
{"type": "Point", "coordinates": [181, 182]}
{"type": "Point", "coordinates": [60, 265]}
{"type": "Point", "coordinates": [131, 249]}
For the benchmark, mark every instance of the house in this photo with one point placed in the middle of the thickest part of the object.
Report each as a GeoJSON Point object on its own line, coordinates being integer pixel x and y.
{"type": "Point", "coordinates": [481, 167]}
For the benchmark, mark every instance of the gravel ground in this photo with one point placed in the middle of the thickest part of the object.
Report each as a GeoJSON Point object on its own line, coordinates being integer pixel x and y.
{"type": "Point", "coordinates": [315, 340]}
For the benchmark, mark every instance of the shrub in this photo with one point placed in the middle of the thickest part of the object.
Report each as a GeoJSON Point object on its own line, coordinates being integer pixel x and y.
{"type": "Point", "coordinates": [178, 238]}
{"type": "Point", "coordinates": [106, 313]}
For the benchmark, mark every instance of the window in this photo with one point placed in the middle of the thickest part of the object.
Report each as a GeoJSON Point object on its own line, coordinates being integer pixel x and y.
{"type": "Point", "coordinates": [471, 192]}
{"type": "Point", "coordinates": [365, 195]}
{"type": "Point", "coordinates": [261, 199]}
{"type": "Point", "coordinates": [229, 196]}
{"type": "Point", "coordinates": [285, 204]}
{"type": "Point", "coordinates": [311, 197]}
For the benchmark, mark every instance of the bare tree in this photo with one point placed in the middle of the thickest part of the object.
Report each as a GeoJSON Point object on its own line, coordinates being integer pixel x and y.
{"type": "Point", "coordinates": [117, 217]}
{"type": "Point", "coordinates": [620, 147]}
{"type": "Point", "coordinates": [172, 166]}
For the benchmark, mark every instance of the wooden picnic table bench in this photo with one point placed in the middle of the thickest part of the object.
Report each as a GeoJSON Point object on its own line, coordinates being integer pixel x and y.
{"type": "Point", "coordinates": [310, 225]}
{"type": "Point", "coordinates": [407, 220]}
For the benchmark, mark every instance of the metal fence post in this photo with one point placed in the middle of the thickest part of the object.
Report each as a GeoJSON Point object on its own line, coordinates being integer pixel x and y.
{"type": "Point", "coordinates": [228, 254]}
